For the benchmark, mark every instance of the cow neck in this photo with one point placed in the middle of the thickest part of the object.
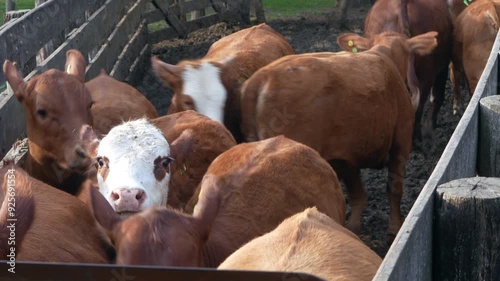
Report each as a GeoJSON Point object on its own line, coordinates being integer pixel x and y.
{"type": "Point", "coordinates": [387, 53]}
{"type": "Point", "coordinates": [45, 169]}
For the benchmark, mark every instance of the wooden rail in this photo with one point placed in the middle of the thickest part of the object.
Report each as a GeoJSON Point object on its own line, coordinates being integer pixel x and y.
{"type": "Point", "coordinates": [411, 254]}
{"type": "Point", "coordinates": [111, 34]}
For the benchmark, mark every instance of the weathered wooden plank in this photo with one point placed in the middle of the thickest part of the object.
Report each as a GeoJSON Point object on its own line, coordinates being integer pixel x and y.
{"type": "Point", "coordinates": [203, 22]}
{"type": "Point", "coordinates": [196, 5]}
{"type": "Point", "coordinates": [12, 120]}
{"type": "Point", "coordinates": [107, 55]}
{"type": "Point", "coordinates": [489, 137]}
{"type": "Point", "coordinates": [10, 15]}
{"type": "Point", "coordinates": [140, 66]}
{"type": "Point", "coordinates": [17, 153]}
{"type": "Point", "coordinates": [154, 16]}
{"type": "Point", "coordinates": [162, 34]}
{"type": "Point", "coordinates": [92, 33]}
{"type": "Point", "coordinates": [467, 212]}
{"type": "Point", "coordinates": [21, 40]}
{"type": "Point", "coordinates": [171, 17]}
{"type": "Point", "coordinates": [132, 50]}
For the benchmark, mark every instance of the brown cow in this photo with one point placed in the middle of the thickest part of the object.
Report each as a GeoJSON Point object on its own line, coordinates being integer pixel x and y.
{"type": "Point", "coordinates": [196, 141]}
{"type": "Point", "coordinates": [57, 107]}
{"type": "Point", "coordinates": [317, 99]}
{"type": "Point", "coordinates": [425, 72]}
{"type": "Point", "coordinates": [116, 102]}
{"type": "Point", "coordinates": [246, 192]}
{"type": "Point", "coordinates": [475, 31]}
{"type": "Point", "coordinates": [210, 85]}
{"type": "Point", "coordinates": [308, 242]}
{"type": "Point", "coordinates": [50, 226]}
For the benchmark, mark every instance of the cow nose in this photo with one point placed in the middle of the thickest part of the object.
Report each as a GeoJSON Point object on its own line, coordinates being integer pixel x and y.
{"type": "Point", "coordinates": [128, 199]}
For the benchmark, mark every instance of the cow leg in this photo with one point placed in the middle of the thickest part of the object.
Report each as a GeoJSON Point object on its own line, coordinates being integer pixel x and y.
{"type": "Point", "coordinates": [355, 191]}
{"type": "Point", "coordinates": [455, 79]}
{"type": "Point", "coordinates": [396, 174]}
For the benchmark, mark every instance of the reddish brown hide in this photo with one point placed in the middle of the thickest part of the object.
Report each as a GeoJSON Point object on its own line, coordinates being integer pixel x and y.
{"type": "Point", "coordinates": [247, 191]}
{"type": "Point", "coordinates": [316, 99]}
{"type": "Point", "coordinates": [195, 141]}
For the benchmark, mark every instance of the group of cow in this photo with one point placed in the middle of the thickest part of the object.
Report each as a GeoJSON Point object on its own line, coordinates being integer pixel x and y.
{"type": "Point", "coordinates": [238, 174]}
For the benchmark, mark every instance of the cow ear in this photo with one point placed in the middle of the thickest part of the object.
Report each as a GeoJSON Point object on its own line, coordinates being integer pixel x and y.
{"type": "Point", "coordinates": [352, 42]}
{"type": "Point", "coordinates": [14, 78]}
{"type": "Point", "coordinates": [423, 44]}
{"type": "Point", "coordinates": [181, 147]}
{"type": "Point", "coordinates": [99, 206]}
{"type": "Point", "coordinates": [209, 200]}
{"type": "Point", "coordinates": [75, 64]}
{"type": "Point", "coordinates": [169, 74]}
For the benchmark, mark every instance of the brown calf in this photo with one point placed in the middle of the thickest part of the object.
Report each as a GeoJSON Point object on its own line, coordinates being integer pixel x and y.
{"type": "Point", "coordinates": [57, 107]}
{"type": "Point", "coordinates": [246, 192]}
{"type": "Point", "coordinates": [308, 242]}
{"type": "Point", "coordinates": [425, 72]}
{"type": "Point", "coordinates": [116, 102]}
{"type": "Point", "coordinates": [210, 85]}
{"type": "Point", "coordinates": [196, 141]}
{"type": "Point", "coordinates": [317, 99]}
{"type": "Point", "coordinates": [475, 31]}
{"type": "Point", "coordinates": [51, 226]}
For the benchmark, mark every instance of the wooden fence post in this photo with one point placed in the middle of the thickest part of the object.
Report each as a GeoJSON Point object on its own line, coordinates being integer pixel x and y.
{"type": "Point", "coordinates": [489, 136]}
{"type": "Point", "coordinates": [196, 14]}
{"type": "Point", "coordinates": [467, 230]}
{"type": "Point", "coordinates": [259, 11]}
{"type": "Point", "coordinates": [10, 5]}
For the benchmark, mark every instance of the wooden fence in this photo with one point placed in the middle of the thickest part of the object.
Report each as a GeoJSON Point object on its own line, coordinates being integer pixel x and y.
{"type": "Point", "coordinates": [112, 35]}
{"type": "Point", "coordinates": [411, 256]}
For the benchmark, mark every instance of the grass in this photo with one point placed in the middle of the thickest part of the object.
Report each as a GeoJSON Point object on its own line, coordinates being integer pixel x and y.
{"type": "Point", "coordinates": [20, 5]}
{"type": "Point", "coordinates": [287, 8]}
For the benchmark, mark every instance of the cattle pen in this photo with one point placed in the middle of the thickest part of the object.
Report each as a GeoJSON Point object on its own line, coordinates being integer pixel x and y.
{"type": "Point", "coordinates": [114, 35]}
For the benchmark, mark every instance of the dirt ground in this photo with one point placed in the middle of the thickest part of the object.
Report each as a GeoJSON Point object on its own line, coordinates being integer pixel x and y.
{"type": "Point", "coordinates": [315, 33]}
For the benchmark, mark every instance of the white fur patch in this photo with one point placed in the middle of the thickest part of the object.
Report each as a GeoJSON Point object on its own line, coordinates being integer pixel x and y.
{"type": "Point", "coordinates": [132, 148]}
{"type": "Point", "coordinates": [204, 86]}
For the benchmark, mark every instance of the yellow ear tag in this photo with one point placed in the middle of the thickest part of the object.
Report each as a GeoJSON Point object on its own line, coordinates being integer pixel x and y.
{"type": "Point", "coordinates": [350, 43]}
{"type": "Point", "coordinates": [354, 50]}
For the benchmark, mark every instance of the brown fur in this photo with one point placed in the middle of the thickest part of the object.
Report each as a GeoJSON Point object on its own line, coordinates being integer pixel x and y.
{"type": "Point", "coordinates": [250, 49]}
{"type": "Point", "coordinates": [195, 141]}
{"type": "Point", "coordinates": [116, 102]}
{"type": "Point", "coordinates": [352, 125]}
{"type": "Point", "coordinates": [57, 107]}
{"type": "Point", "coordinates": [247, 191]}
{"type": "Point", "coordinates": [308, 242]}
{"type": "Point", "coordinates": [428, 71]}
{"type": "Point", "coordinates": [475, 32]}
{"type": "Point", "coordinates": [52, 226]}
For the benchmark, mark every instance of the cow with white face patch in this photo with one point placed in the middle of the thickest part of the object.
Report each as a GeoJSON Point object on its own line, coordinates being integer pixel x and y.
{"type": "Point", "coordinates": [133, 167]}
{"type": "Point", "coordinates": [211, 85]}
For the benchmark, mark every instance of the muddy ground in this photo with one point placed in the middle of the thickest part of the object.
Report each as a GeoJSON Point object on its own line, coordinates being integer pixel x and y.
{"type": "Point", "coordinates": [315, 33]}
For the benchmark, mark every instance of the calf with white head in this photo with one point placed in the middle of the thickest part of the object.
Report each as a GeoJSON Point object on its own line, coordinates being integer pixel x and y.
{"type": "Point", "coordinates": [133, 167]}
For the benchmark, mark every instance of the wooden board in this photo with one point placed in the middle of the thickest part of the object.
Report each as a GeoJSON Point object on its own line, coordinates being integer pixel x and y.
{"type": "Point", "coordinates": [36, 28]}
{"type": "Point", "coordinates": [92, 33]}
{"type": "Point", "coordinates": [12, 120]}
{"type": "Point", "coordinates": [130, 53]}
{"type": "Point", "coordinates": [172, 16]}
{"type": "Point", "coordinates": [107, 55]}
{"type": "Point", "coordinates": [140, 66]}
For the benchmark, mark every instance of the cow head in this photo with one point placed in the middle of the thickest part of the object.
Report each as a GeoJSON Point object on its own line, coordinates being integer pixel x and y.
{"type": "Point", "coordinates": [396, 47]}
{"type": "Point", "coordinates": [133, 162]}
{"type": "Point", "coordinates": [57, 107]}
{"type": "Point", "coordinates": [197, 85]}
{"type": "Point", "coordinates": [160, 235]}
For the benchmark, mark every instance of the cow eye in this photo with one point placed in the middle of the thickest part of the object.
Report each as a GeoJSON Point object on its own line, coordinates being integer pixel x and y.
{"type": "Point", "coordinates": [100, 161]}
{"type": "Point", "coordinates": [166, 161]}
{"type": "Point", "coordinates": [42, 113]}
